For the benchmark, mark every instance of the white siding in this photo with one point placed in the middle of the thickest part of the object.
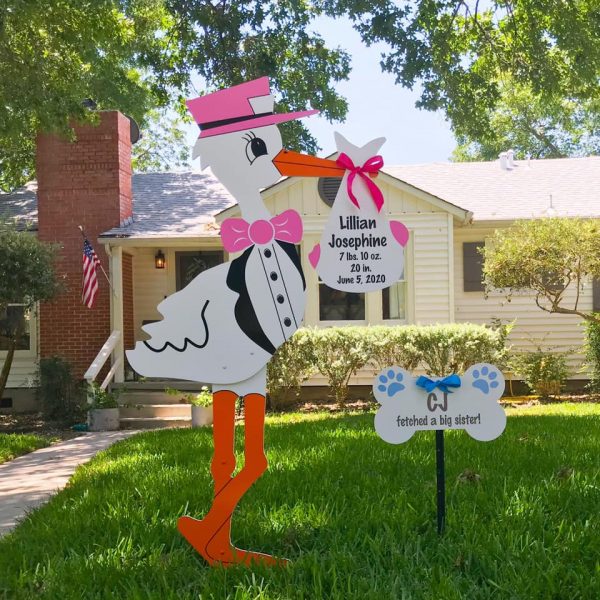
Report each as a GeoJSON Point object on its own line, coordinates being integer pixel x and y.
{"type": "Point", "coordinates": [428, 261]}
{"type": "Point", "coordinates": [24, 370]}
{"type": "Point", "coordinates": [150, 286]}
{"type": "Point", "coordinates": [533, 326]}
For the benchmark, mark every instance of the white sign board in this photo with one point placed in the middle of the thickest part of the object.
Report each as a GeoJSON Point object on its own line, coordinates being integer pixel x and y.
{"type": "Point", "coordinates": [361, 250]}
{"type": "Point", "coordinates": [407, 407]}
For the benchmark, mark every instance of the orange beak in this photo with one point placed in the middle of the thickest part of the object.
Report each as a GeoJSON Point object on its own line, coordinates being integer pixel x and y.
{"type": "Point", "coordinates": [296, 164]}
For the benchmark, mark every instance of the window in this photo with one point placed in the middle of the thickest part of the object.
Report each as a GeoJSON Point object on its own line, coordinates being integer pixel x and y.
{"type": "Point", "coordinates": [15, 318]}
{"type": "Point", "coordinates": [473, 267]}
{"type": "Point", "coordinates": [393, 300]}
{"type": "Point", "coordinates": [190, 264]}
{"type": "Point", "coordinates": [335, 305]}
{"type": "Point", "coordinates": [596, 295]}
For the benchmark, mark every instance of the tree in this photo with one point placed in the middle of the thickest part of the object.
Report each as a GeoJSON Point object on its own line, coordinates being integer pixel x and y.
{"type": "Point", "coordinates": [27, 276]}
{"type": "Point", "coordinates": [463, 52]}
{"type": "Point", "coordinates": [530, 125]}
{"type": "Point", "coordinates": [163, 144]}
{"type": "Point", "coordinates": [554, 257]}
{"type": "Point", "coordinates": [54, 55]}
{"type": "Point", "coordinates": [136, 56]}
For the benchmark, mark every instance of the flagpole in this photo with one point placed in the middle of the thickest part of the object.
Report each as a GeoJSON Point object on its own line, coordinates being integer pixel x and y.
{"type": "Point", "coordinates": [84, 236]}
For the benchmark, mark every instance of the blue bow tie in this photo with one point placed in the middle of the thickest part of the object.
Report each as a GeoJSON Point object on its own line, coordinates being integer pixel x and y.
{"type": "Point", "coordinates": [443, 384]}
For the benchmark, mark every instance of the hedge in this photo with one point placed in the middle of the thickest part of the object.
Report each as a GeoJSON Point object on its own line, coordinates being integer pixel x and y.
{"type": "Point", "coordinates": [339, 352]}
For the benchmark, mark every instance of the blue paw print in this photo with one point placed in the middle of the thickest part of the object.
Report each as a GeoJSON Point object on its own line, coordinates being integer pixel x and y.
{"type": "Point", "coordinates": [485, 380]}
{"type": "Point", "coordinates": [390, 383]}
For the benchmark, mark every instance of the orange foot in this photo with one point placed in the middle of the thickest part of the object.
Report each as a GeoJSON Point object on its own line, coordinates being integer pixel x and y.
{"type": "Point", "coordinates": [216, 548]}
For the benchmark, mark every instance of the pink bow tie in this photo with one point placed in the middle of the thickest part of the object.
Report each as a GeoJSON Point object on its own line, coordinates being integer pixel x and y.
{"type": "Point", "coordinates": [238, 234]}
{"type": "Point", "coordinates": [373, 165]}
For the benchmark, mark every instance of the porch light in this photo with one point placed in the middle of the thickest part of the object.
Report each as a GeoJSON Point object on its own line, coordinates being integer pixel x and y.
{"type": "Point", "coordinates": [159, 260]}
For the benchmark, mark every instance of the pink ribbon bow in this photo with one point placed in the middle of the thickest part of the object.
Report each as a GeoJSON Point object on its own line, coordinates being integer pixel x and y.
{"type": "Point", "coordinates": [238, 234]}
{"type": "Point", "coordinates": [373, 165]}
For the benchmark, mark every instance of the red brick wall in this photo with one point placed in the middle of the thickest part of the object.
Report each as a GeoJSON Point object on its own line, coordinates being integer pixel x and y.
{"type": "Point", "coordinates": [128, 337]}
{"type": "Point", "coordinates": [88, 183]}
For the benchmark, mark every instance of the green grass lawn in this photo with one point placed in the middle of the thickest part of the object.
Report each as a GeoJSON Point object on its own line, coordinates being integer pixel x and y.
{"type": "Point", "coordinates": [15, 444]}
{"type": "Point", "coordinates": [355, 515]}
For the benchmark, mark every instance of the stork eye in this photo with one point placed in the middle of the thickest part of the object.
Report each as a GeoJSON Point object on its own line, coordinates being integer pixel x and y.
{"type": "Point", "coordinates": [255, 147]}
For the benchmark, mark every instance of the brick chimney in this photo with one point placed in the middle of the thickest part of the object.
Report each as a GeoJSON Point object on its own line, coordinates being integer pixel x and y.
{"type": "Point", "coordinates": [86, 182]}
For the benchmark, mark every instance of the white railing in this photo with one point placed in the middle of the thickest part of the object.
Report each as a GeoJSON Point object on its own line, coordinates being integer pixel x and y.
{"type": "Point", "coordinates": [100, 360]}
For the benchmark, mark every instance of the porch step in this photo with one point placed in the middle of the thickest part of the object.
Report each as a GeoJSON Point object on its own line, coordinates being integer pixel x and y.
{"type": "Point", "coordinates": [160, 385]}
{"type": "Point", "coordinates": [146, 404]}
{"type": "Point", "coordinates": [141, 397]}
{"type": "Point", "coordinates": [148, 411]}
{"type": "Point", "coordinates": [155, 422]}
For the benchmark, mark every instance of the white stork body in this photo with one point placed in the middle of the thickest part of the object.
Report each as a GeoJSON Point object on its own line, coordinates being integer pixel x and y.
{"type": "Point", "coordinates": [204, 337]}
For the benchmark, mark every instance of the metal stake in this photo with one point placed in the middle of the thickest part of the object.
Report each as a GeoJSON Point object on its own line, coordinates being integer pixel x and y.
{"type": "Point", "coordinates": [441, 480]}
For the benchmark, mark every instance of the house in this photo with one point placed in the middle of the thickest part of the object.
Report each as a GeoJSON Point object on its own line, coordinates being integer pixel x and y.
{"type": "Point", "coordinates": [154, 232]}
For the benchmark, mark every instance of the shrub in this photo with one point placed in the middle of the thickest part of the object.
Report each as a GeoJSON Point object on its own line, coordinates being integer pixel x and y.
{"type": "Point", "coordinates": [592, 352]}
{"type": "Point", "coordinates": [99, 398]}
{"type": "Point", "coordinates": [292, 364]}
{"type": "Point", "coordinates": [393, 346]}
{"type": "Point", "coordinates": [453, 348]}
{"type": "Point", "coordinates": [61, 397]}
{"type": "Point", "coordinates": [544, 373]}
{"type": "Point", "coordinates": [339, 352]}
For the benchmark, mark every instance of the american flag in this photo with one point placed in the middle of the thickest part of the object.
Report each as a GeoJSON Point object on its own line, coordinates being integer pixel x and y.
{"type": "Point", "coordinates": [90, 279]}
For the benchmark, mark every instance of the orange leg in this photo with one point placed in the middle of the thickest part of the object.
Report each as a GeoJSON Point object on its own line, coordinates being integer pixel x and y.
{"type": "Point", "coordinates": [223, 462]}
{"type": "Point", "coordinates": [211, 536]}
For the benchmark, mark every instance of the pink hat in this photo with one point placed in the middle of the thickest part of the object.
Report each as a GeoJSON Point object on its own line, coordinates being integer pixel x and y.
{"type": "Point", "coordinates": [237, 108]}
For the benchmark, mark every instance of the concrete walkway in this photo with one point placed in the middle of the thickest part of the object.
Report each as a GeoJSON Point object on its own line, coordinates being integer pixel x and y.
{"type": "Point", "coordinates": [30, 480]}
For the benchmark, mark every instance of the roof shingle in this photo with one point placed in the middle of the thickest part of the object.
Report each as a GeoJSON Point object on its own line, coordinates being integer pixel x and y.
{"type": "Point", "coordinates": [494, 194]}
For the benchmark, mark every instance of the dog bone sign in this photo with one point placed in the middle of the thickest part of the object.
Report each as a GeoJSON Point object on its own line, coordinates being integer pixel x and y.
{"type": "Point", "coordinates": [471, 404]}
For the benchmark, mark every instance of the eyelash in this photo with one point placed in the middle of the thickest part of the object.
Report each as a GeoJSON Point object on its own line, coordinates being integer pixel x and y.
{"type": "Point", "coordinates": [251, 135]}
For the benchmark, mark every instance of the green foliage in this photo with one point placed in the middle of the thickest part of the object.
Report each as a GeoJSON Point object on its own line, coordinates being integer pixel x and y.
{"type": "Point", "coordinates": [163, 145]}
{"type": "Point", "coordinates": [15, 444]}
{"type": "Point", "coordinates": [544, 373]}
{"type": "Point", "coordinates": [54, 55]}
{"type": "Point", "coordinates": [464, 53]}
{"type": "Point", "coordinates": [99, 398]}
{"type": "Point", "coordinates": [204, 398]}
{"type": "Point", "coordinates": [27, 275]}
{"type": "Point", "coordinates": [551, 257]}
{"type": "Point", "coordinates": [592, 352]}
{"type": "Point", "coordinates": [60, 396]}
{"type": "Point", "coordinates": [393, 346]}
{"type": "Point", "coordinates": [27, 268]}
{"type": "Point", "coordinates": [453, 348]}
{"type": "Point", "coordinates": [138, 56]}
{"type": "Point", "coordinates": [292, 364]}
{"type": "Point", "coordinates": [231, 42]}
{"type": "Point", "coordinates": [533, 125]}
{"type": "Point", "coordinates": [333, 494]}
{"type": "Point", "coordinates": [339, 352]}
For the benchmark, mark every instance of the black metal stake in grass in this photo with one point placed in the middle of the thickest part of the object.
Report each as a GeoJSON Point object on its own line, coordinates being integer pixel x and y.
{"type": "Point", "coordinates": [441, 480]}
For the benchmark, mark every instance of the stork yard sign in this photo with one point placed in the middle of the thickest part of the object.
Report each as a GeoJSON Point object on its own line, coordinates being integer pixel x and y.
{"type": "Point", "coordinates": [226, 324]}
{"type": "Point", "coordinates": [410, 404]}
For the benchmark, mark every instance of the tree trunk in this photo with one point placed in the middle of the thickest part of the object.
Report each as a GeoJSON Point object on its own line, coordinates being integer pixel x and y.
{"type": "Point", "coordinates": [12, 343]}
